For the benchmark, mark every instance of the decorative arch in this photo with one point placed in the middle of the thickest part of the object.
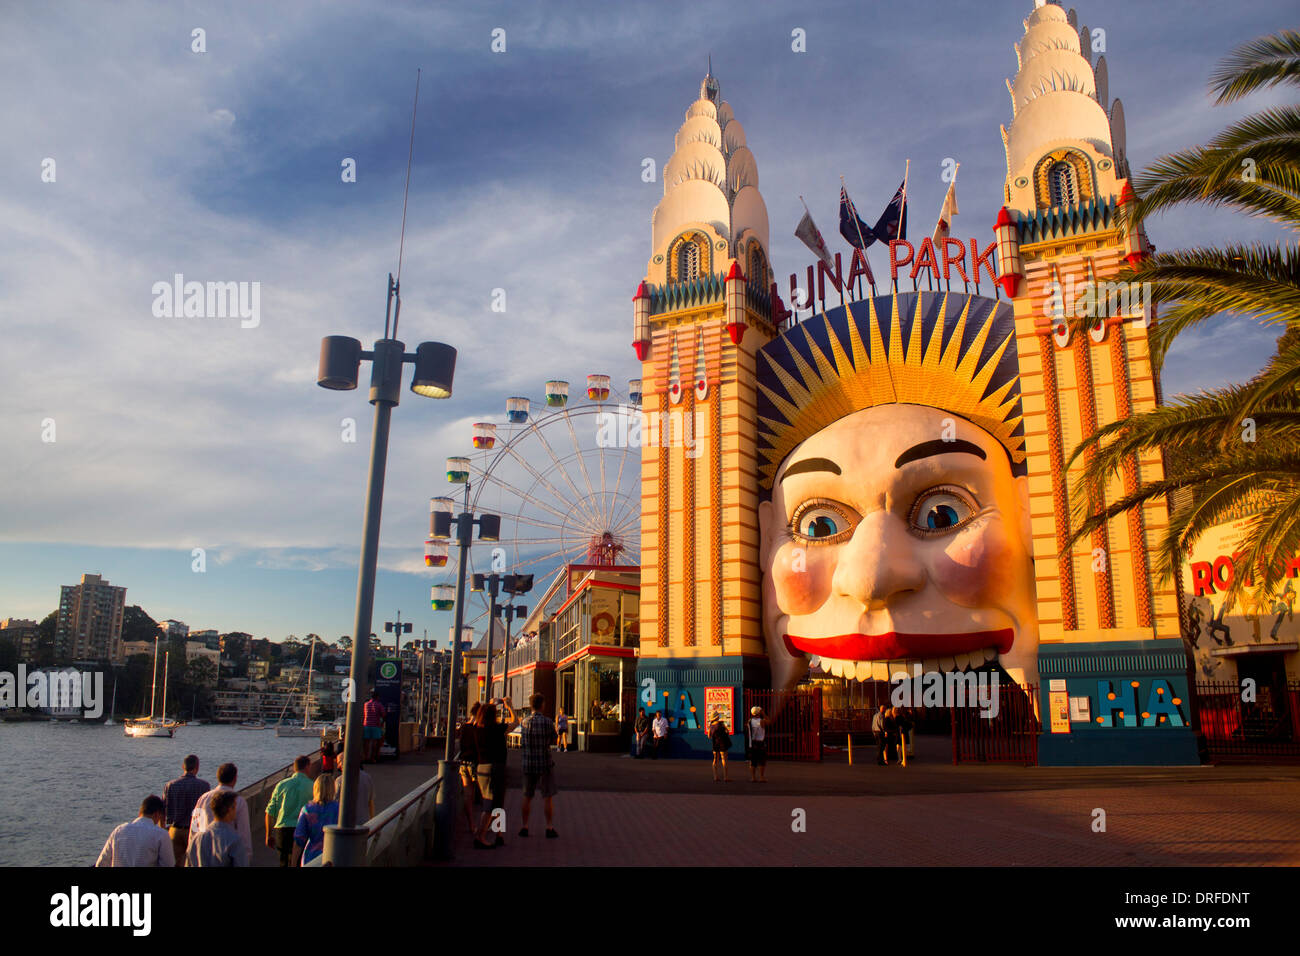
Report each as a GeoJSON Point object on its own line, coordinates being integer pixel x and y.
{"type": "Point", "coordinates": [756, 269]}
{"type": "Point", "coordinates": [1063, 178]}
{"type": "Point", "coordinates": [690, 256]}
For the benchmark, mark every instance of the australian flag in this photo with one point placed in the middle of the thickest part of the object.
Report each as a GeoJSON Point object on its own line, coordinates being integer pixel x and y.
{"type": "Point", "coordinates": [892, 223]}
{"type": "Point", "coordinates": [852, 228]}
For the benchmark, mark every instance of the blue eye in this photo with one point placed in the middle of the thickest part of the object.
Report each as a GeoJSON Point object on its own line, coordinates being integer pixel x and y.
{"type": "Point", "coordinates": [820, 527]}
{"type": "Point", "coordinates": [821, 523]}
{"type": "Point", "coordinates": [939, 511]}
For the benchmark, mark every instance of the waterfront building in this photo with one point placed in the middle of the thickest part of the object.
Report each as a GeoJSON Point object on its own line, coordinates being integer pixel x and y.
{"type": "Point", "coordinates": [169, 629]}
{"type": "Point", "coordinates": [22, 634]}
{"type": "Point", "coordinates": [90, 620]}
{"type": "Point", "coordinates": [132, 648]}
{"type": "Point", "coordinates": [199, 650]}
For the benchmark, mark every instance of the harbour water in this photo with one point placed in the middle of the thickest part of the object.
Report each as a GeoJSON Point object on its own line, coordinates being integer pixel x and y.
{"type": "Point", "coordinates": [63, 786]}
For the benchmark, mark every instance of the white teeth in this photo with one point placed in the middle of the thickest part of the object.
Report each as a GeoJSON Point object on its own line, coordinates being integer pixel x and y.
{"type": "Point", "coordinates": [990, 654]}
{"type": "Point", "coordinates": [879, 670]}
{"type": "Point", "coordinates": [815, 660]}
{"type": "Point", "coordinates": [863, 670]}
{"type": "Point", "coordinates": [971, 659]}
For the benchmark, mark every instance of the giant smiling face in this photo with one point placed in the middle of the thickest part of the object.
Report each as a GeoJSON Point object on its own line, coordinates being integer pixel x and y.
{"type": "Point", "coordinates": [885, 545]}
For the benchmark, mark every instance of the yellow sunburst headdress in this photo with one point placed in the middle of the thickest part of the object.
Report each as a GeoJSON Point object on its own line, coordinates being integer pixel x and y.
{"type": "Point", "coordinates": [951, 351]}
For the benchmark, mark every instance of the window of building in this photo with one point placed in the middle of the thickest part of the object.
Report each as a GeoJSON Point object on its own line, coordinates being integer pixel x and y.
{"type": "Point", "coordinates": [688, 262]}
{"type": "Point", "coordinates": [1061, 184]}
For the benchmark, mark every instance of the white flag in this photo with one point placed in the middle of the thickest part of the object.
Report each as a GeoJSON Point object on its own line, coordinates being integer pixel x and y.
{"type": "Point", "coordinates": [949, 209]}
{"type": "Point", "coordinates": [808, 233]}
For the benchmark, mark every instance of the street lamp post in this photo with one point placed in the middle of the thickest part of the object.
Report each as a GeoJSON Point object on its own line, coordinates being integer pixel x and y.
{"type": "Point", "coordinates": [340, 361]}
{"type": "Point", "coordinates": [489, 529]}
{"type": "Point", "coordinates": [510, 612]}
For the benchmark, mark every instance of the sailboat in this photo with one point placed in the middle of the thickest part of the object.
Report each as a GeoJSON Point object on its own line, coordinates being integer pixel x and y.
{"type": "Point", "coordinates": [309, 728]}
{"type": "Point", "coordinates": [152, 726]}
{"type": "Point", "coordinates": [112, 711]}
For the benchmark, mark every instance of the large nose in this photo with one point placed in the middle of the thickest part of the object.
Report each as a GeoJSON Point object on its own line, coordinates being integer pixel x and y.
{"type": "Point", "coordinates": [880, 562]}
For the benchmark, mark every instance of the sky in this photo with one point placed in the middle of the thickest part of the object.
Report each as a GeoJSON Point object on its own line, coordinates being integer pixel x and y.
{"type": "Point", "coordinates": [173, 433]}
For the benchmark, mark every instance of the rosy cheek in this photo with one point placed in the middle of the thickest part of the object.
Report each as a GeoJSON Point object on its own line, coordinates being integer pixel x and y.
{"type": "Point", "coordinates": [801, 577]}
{"type": "Point", "coordinates": [973, 570]}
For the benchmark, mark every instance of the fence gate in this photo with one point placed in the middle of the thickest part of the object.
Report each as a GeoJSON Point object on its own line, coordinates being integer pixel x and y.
{"type": "Point", "coordinates": [1268, 726]}
{"type": "Point", "coordinates": [795, 728]}
{"type": "Point", "coordinates": [1010, 737]}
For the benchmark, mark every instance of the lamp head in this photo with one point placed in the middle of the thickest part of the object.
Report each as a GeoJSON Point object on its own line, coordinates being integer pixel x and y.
{"type": "Point", "coordinates": [340, 362]}
{"type": "Point", "coordinates": [435, 367]}
{"type": "Point", "coordinates": [489, 527]}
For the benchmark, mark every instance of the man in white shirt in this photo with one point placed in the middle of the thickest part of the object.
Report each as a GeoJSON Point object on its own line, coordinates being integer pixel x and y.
{"type": "Point", "coordinates": [143, 841]}
{"type": "Point", "coordinates": [660, 730]}
{"type": "Point", "coordinates": [202, 818]}
{"type": "Point", "coordinates": [366, 788]}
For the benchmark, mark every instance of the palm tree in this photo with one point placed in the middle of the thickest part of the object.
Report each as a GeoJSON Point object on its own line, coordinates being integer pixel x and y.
{"type": "Point", "coordinates": [1234, 451]}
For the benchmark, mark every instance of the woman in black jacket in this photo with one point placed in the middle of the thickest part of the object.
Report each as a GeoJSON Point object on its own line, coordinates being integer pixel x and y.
{"type": "Point", "coordinates": [491, 770]}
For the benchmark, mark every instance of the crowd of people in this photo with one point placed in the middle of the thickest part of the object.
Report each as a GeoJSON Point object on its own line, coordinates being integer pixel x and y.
{"type": "Point", "coordinates": [196, 824]}
{"type": "Point", "coordinates": [892, 727]}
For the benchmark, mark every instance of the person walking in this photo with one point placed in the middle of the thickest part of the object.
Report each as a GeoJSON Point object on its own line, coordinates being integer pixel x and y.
{"type": "Point", "coordinates": [539, 768]}
{"type": "Point", "coordinates": [372, 730]}
{"type": "Point", "coordinates": [878, 729]}
{"type": "Point", "coordinates": [491, 770]}
{"type": "Point", "coordinates": [642, 729]}
{"type": "Point", "coordinates": [467, 759]}
{"type": "Point", "coordinates": [318, 813]}
{"type": "Point", "coordinates": [365, 787]}
{"type": "Point", "coordinates": [561, 731]}
{"type": "Point", "coordinates": [220, 844]}
{"type": "Point", "coordinates": [180, 795]}
{"type": "Point", "coordinates": [757, 745]}
{"type": "Point", "coordinates": [720, 737]}
{"type": "Point", "coordinates": [329, 757]}
{"type": "Point", "coordinates": [906, 728]}
{"type": "Point", "coordinates": [891, 735]}
{"type": "Point", "coordinates": [205, 815]}
{"type": "Point", "coordinates": [143, 841]}
{"type": "Point", "coordinates": [287, 800]}
{"type": "Point", "coordinates": [659, 728]}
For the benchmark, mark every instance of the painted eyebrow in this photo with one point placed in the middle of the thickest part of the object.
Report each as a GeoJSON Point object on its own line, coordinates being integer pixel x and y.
{"type": "Point", "coordinates": [938, 446]}
{"type": "Point", "coordinates": [811, 464]}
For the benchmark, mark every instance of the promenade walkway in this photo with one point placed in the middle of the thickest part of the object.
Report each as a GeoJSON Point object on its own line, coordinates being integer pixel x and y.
{"type": "Point", "coordinates": [393, 780]}
{"type": "Point", "coordinates": [615, 811]}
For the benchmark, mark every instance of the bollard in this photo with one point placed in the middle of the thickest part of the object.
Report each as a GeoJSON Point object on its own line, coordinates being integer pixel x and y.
{"type": "Point", "coordinates": [850, 748]}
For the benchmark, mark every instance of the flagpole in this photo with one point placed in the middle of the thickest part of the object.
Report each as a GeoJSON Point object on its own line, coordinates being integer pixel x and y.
{"type": "Point", "coordinates": [902, 211]}
{"type": "Point", "coordinates": [858, 228]}
{"type": "Point", "coordinates": [943, 208]}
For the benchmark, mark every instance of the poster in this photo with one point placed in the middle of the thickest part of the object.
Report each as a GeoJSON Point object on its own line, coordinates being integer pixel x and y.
{"type": "Point", "coordinates": [1058, 707]}
{"type": "Point", "coordinates": [720, 702]}
{"type": "Point", "coordinates": [1081, 710]}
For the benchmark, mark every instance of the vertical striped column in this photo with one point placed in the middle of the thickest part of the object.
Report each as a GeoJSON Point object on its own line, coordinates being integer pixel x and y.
{"type": "Point", "coordinates": [1088, 420]}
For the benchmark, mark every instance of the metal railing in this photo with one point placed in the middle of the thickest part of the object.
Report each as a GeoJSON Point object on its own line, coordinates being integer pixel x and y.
{"type": "Point", "coordinates": [1010, 737]}
{"type": "Point", "coordinates": [402, 835]}
{"type": "Point", "coordinates": [1267, 725]}
{"type": "Point", "coordinates": [258, 794]}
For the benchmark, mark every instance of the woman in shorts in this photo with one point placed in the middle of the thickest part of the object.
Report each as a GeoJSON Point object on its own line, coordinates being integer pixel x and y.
{"type": "Point", "coordinates": [468, 760]}
{"type": "Point", "coordinates": [491, 769]}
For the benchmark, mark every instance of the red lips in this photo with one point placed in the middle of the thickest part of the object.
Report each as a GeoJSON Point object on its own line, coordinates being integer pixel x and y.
{"type": "Point", "coordinates": [892, 645]}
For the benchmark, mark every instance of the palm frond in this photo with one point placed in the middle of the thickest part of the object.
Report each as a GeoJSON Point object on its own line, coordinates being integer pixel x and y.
{"type": "Point", "coordinates": [1265, 61]}
{"type": "Point", "coordinates": [1271, 538]}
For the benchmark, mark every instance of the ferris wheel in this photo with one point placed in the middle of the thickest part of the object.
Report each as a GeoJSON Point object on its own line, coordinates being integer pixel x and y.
{"type": "Point", "coordinates": [567, 489]}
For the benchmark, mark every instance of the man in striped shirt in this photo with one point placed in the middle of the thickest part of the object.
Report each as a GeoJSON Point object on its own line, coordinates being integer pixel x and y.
{"type": "Point", "coordinates": [181, 795]}
{"type": "Point", "coordinates": [539, 771]}
{"type": "Point", "coordinates": [143, 841]}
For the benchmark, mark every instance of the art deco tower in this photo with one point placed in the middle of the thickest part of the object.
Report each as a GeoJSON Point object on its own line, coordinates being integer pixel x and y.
{"type": "Point", "coordinates": [1067, 178]}
{"type": "Point", "coordinates": [703, 309]}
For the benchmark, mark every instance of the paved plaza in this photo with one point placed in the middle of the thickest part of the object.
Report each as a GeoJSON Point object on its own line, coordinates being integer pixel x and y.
{"type": "Point", "coordinates": [615, 811]}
